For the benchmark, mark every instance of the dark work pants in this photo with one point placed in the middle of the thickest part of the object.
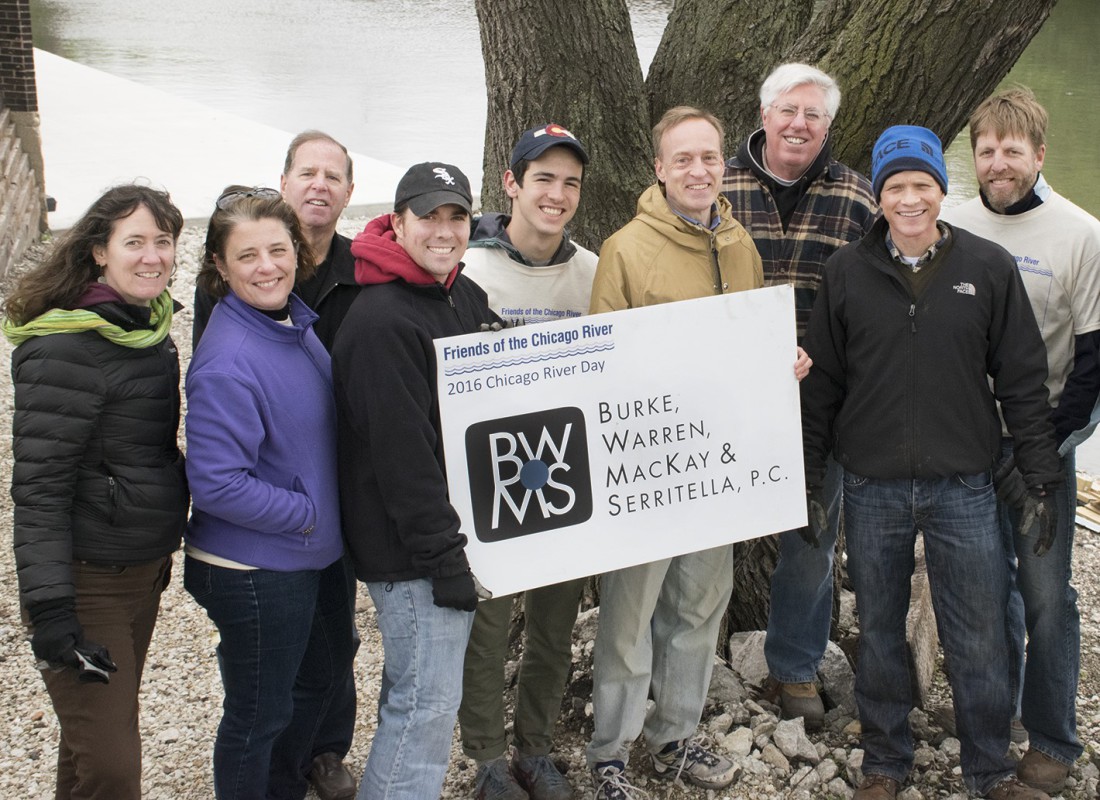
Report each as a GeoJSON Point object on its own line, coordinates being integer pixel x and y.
{"type": "Point", "coordinates": [99, 755]}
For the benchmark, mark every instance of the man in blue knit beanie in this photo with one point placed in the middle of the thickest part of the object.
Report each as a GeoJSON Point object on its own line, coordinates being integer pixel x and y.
{"type": "Point", "coordinates": [909, 325]}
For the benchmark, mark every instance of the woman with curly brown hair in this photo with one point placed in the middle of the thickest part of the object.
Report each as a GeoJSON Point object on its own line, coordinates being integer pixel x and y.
{"type": "Point", "coordinates": [98, 483]}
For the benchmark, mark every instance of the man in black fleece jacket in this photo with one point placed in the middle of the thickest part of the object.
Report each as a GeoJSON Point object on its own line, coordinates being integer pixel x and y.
{"type": "Point", "coordinates": [401, 529]}
{"type": "Point", "coordinates": [909, 325]}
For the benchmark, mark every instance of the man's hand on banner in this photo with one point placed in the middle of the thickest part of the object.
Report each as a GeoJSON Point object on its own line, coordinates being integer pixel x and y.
{"type": "Point", "coordinates": [802, 364]}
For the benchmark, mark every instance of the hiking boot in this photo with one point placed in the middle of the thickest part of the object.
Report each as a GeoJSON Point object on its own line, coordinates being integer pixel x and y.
{"type": "Point", "coordinates": [1011, 789]}
{"type": "Point", "coordinates": [1040, 771]}
{"type": "Point", "coordinates": [494, 781]}
{"type": "Point", "coordinates": [802, 700]}
{"type": "Point", "coordinates": [610, 781]}
{"type": "Point", "coordinates": [331, 778]}
{"type": "Point", "coordinates": [691, 760]}
{"type": "Point", "coordinates": [876, 787]}
{"type": "Point", "coordinates": [541, 778]}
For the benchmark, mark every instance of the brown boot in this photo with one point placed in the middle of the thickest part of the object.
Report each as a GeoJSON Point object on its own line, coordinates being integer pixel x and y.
{"type": "Point", "coordinates": [331, 778]}
{"type": "Point", "coordinates": [1011, 789]}
{"type": "Point", "coordinates": [1040, 771]}
{"type": "Point", "coordinates": [802, 700]}
{"type": "Point", "coordinates": [876, 787]}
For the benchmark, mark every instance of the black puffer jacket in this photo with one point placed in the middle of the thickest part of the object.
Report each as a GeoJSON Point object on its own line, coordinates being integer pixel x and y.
{"type": "Point", "coordinates": [98, 475]}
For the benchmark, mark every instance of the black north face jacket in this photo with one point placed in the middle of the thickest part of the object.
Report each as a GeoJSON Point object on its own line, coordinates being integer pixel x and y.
{"type": "Point", "coordinates": [900, 388]}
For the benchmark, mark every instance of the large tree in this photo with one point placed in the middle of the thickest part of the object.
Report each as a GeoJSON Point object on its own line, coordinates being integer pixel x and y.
{"type": "Point", "coordinates": [925, 62]}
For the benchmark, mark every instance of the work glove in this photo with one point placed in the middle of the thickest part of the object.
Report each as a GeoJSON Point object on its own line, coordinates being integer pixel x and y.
{"type": "Point", "coordinates": [495, 327]}
{"type": "Point", "coordinates": [817, 519]}
{"type": "Point", "coordinates": [1009, 484]}
{"type": "Point", "coordinates": [1039, 512]}
{"type": "Point", "coordinates": [58, 642]}
{"type": "Point", "coordinates": [455, 591]}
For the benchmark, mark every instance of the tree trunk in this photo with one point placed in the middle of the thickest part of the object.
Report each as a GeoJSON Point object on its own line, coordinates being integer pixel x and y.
{"type": "Point", "coordinates": [921, 62]}
{"type": "Point", "coordinates": [715, 53]}
{"type": "Point", "coordinates": [574, 64]}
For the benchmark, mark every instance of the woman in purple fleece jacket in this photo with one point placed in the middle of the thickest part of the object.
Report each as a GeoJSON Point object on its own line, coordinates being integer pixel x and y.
{"type": "Point", "coordinates": [265, 524]}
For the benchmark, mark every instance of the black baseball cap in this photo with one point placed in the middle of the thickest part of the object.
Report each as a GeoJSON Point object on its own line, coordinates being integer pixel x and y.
{"type": "Point", "coordinates": [426, 187]}
{"type": "Point", "coordinates": [533, 143]}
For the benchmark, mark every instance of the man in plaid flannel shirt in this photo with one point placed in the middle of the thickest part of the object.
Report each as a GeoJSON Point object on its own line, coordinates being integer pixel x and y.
{"type": "Point", "coordinates": [799, 205]}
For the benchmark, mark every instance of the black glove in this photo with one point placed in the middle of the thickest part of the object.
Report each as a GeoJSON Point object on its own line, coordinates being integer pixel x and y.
{"type": "Point", "coordinates": [1040, 512]}
{"type": "Point", "coordinates": [817, 519]}
{"type": "Point", "coordinates": [1009, 483]}
{"type": "Point", "coordinates": [455, 591]}
{"type": "Point", "coordinates": [58, 642]}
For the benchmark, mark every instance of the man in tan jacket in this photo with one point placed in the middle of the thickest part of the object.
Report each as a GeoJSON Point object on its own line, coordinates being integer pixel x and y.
{"type": "Point", "coordinates": [659, 621]}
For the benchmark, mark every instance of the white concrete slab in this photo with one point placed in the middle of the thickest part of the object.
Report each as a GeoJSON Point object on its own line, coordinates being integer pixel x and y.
{"type": "Point", "coordinates": [99, 130]}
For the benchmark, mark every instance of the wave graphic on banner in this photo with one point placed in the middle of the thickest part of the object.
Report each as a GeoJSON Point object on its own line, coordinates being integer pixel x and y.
{"type": "Point", "coordinates": [531, 359]}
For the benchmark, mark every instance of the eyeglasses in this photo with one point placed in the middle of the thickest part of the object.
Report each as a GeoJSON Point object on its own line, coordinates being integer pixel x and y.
{"type": "Point", "coordinates": [227, 200]}
{"type": "Point", "coordinates": [813, 116]}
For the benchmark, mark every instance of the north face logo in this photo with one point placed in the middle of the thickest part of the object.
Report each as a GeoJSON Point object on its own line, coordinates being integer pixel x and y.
{"type": "Point", "coordinates": [964, 288]}
{"type": "Point", "coordinates": [529, 473]}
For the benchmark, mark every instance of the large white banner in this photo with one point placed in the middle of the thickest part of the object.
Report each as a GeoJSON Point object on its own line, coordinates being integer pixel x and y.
{"type": "Point", "coordinates": [590, 444]}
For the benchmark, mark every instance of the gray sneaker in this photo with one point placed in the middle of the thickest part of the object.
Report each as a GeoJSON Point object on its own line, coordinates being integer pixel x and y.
{"type": "Point", "coordinates": [494, 781]}
{"type": "Point", "coordinates": [541, 778]}
{"type": "Point", "coordinates": [611, 784]}
{"type": "Point", "coordinates": [695, 763]}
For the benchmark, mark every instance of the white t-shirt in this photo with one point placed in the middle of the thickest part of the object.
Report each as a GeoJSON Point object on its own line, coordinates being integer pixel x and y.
{"type": "Point", "coordinates": [1057, 250]}
{"type": "Point", "coordinates": [525, 295]}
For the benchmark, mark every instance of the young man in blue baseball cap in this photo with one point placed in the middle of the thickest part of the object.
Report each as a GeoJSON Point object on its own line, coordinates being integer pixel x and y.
{"type": "Point", "coordinates": [532, 272]}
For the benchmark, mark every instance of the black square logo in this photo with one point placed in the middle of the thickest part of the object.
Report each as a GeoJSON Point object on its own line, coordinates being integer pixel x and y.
{"type": "Point", "coordinates": [529, 473]}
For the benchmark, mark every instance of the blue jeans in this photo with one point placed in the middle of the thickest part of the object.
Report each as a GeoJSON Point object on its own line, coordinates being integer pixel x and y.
{"type": "Point", "coordinates": [324, 691]}
{"type": "Point", "coordinates": [265, 620]}
{"type": "Point", "coordinates": [424, 646]}
{"type": "Point", "coordinates": [802, 596]}
{"type": "Point", "coordinates": [969, 579]}
{"type": "Point", "coordinates": [1044, 603]}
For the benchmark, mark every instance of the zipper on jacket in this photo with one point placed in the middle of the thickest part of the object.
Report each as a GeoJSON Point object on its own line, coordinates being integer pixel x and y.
{"type": "Point", "coordinates": [454, 308]}
{"type": "Point", "coordinates": [719, 288]}
{"type": "Point", "coordinates": [112, 498]}
{"type": "Point", "coordinates": [911, 443]}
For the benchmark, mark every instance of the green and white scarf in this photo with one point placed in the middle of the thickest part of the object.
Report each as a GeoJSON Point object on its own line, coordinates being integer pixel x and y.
{"type": "Point", "coordinates": [60, 320]}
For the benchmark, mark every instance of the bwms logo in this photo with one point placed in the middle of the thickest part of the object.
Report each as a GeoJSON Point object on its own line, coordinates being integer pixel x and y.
{"type": "Point", "coordinates": [529, 473]}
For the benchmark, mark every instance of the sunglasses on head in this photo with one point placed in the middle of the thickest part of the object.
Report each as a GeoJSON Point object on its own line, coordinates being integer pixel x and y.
{"type": "Point", "coordinates": [226, 201]}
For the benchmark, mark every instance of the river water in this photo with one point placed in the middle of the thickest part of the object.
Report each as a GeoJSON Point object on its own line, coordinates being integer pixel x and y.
{"type": "Point", "coordinates": [403, 80]}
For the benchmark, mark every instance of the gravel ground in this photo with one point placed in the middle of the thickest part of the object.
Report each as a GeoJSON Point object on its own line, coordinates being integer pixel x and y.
{"type": "Point", "coordinates": [182, 692]}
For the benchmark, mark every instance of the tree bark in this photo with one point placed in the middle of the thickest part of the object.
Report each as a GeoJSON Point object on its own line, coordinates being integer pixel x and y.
{"type": "Point", "coordinates": [715, 53]}
{"type": "Point", "coordinates": [574, 64]}
{"type": "Point", "coordinates": [921, 62]}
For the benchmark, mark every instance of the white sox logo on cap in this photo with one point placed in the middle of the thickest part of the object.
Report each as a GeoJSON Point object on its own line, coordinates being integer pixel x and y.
{"type": "Point", "coordinates": [444, 176]}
